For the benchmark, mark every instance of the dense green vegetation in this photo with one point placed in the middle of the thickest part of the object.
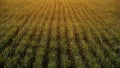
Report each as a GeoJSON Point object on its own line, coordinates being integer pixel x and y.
{"type": "Point", "coordinates": [59, 34]}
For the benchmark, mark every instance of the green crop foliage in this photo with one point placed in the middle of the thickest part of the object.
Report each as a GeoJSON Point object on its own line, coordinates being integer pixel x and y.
{"type": "Point", "coordinates": [59, 34]}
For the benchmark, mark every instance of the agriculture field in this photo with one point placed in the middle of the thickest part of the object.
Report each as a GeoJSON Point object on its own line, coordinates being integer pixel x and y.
{"type": "Point", "coordinates": [59, 33]}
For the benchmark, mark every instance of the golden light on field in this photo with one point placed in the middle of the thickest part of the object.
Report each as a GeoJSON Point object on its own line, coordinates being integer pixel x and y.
{"type": "Point", "coordinates": [59, 34]}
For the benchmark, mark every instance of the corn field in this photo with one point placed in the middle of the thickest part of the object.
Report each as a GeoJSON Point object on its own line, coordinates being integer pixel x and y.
{"type": "Point", "coordinates": [59, 33]}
